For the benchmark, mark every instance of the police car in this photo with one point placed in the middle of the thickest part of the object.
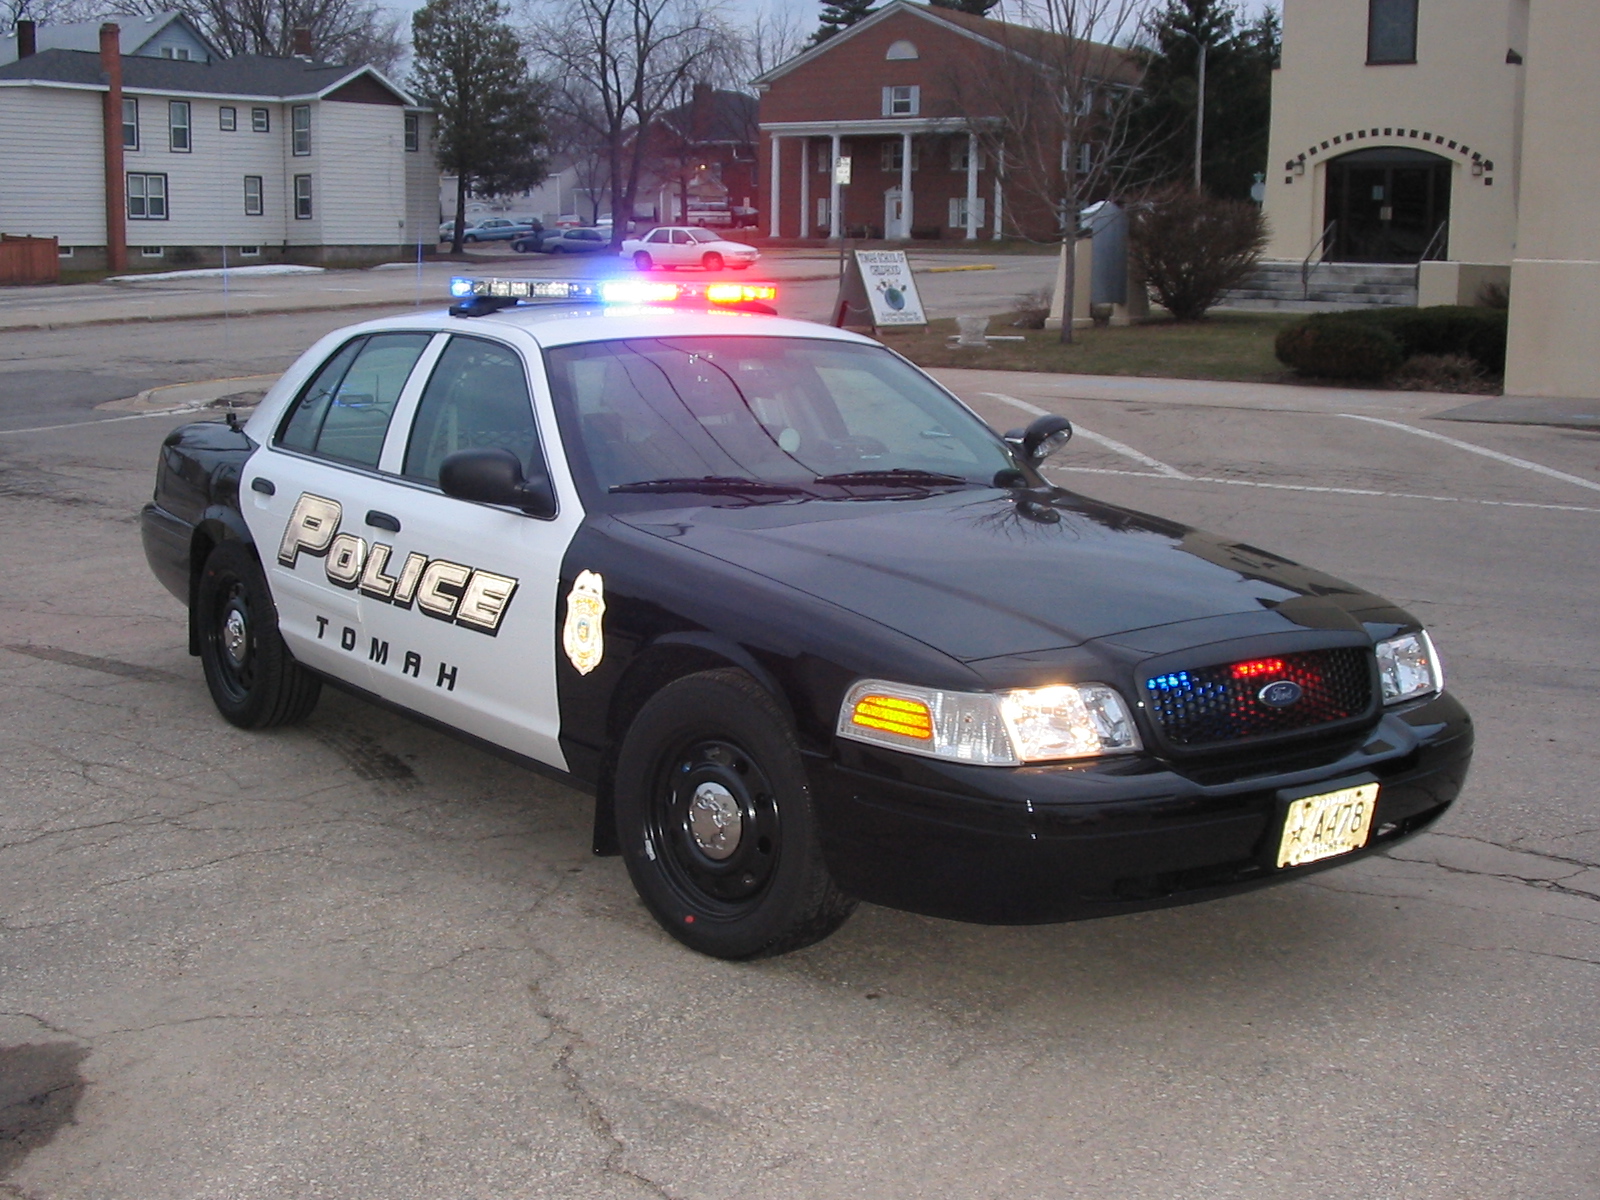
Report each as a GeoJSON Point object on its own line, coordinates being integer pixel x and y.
{"type": "Point", "coordinates": [808, 629]}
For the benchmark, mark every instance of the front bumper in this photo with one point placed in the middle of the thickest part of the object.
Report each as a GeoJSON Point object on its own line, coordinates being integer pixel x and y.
{"type": "Point", "coordinates": [1035, 844]}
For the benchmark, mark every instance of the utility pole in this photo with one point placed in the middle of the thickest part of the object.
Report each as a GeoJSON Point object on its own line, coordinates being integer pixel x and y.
{"type": "Point", "coordinates": [1200, 106]}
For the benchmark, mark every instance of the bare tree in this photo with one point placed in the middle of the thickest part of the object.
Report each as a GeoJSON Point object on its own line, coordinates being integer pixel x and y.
{"type": "Point", "coordinates": [1056, 119]}
{"type": "Point", "coordinates": [627, 61]}
{"type": "Point", "coordinates": [772, 37]}
{"type": "Point", "coordinates": [347, 31]}
{"type": "Point", "coordinates": [43, 12]}
{"type": "Point", "coordinates": [574, 125]}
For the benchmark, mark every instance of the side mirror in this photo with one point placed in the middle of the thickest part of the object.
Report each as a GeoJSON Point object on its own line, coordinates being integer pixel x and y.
{"type": "Point", "coordinates": [495, 477]}
{"type": "Point", "coordinates": [1042, 438]}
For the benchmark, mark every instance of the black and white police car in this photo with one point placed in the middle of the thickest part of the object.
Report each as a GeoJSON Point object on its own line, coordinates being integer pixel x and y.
{"type": "Point", "coordinates": [805, 626]}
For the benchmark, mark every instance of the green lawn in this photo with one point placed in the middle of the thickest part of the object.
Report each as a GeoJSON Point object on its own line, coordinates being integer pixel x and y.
{"type": "Point", "coordinates": [1236, 346]}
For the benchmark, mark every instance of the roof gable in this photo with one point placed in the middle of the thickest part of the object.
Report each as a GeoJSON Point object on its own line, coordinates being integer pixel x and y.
{"type": "Point", "coordinates": [136, 36]}
{"type": "Point", "coordinates": [246, 76]}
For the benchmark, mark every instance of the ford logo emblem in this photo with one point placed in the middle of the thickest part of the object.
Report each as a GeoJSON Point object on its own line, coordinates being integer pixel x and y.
{"type": "Point", "coordinates": [1280, 694]}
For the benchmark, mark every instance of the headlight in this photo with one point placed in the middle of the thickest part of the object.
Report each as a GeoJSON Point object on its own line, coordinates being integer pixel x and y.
{"type": "Point", "coordinates": [1003, 729]}
{"type": "Point", "coordinates": [1409, 667]}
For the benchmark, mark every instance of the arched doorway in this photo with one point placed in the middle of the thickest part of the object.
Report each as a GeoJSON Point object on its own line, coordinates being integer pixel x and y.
{"type": "Point", "coordinates": [1389, 204]}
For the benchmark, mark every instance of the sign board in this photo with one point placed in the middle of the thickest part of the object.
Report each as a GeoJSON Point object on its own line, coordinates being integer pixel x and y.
{"type": "Point", "coordinates": [841, 169]}
{"type": "Point", "coordinates": [877, 289]}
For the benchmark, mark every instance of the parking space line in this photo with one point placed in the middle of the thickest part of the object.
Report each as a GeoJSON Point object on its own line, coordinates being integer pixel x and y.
{"type": "Point", "coordinates": [1339, 491]}
{"type": "Point", "coordinates": [1509, 459]}
{"type": "Point", "coordinates": [1159, 467]}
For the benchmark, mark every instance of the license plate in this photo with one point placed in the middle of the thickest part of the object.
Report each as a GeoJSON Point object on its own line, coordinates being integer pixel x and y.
{"type": "Point", "coordinates": [1318, 827]}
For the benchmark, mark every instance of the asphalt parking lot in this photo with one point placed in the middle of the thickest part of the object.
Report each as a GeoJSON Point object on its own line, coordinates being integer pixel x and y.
{"type": "Point", "coordinates": [357, 959]}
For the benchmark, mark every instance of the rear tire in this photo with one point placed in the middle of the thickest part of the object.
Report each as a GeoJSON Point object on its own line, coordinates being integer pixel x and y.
{"type": "Point", "coordinates": [641, 261]}
{"type": "Point", "coordinates": [254, 680]}
{"type": "Point", "coordinates": [712, 261]}
{"type": "Point", "coordinates": [716, 822]}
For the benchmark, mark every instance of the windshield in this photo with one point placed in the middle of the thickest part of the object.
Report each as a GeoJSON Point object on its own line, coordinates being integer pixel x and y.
{"type": "Point", "coordinates": [776, 411]}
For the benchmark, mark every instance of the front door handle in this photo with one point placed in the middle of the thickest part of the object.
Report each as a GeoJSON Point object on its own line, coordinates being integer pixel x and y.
{"type": "Point", "coordinates": [382, 520]}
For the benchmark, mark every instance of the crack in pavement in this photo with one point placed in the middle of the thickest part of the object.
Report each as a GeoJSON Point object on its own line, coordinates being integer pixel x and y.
{"type": "Point", "coordinates": [94, 662]}
{"type": "Point", "coordinates": [1543, 881]}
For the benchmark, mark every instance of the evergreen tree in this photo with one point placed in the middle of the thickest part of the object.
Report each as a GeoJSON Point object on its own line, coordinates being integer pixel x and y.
{"type": "Point", "coordinates": [1240, 56]}
{"type": "Point", "coordinates": [977, 8]}
{"type": "Point", "coordinates": [471, 71]}
{"type": "Point", "coordinates": [838, 15]}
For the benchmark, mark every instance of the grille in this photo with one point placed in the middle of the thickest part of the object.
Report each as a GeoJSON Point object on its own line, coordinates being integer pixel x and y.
{"type": "Point", "coordinates": [1212, 706]}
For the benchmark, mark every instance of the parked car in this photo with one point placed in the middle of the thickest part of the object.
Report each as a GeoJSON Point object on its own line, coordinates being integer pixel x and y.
{"type": "Point", "coordinates": [533, 243]}
{"type": "Point", "coordinates": [499, 229]}
{"type": "Point", "coordinates": [806, 627]}
{"type": "Point", "coordinates": [687, 246]}
{"type": "Point", "coordinates": [577, 241]}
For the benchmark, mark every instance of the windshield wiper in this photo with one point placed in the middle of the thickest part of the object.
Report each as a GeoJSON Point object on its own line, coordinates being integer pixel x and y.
{"type": "Point", "coordinates": [730, 485]}
{"type": "Point", "coordinates": [897, 475]}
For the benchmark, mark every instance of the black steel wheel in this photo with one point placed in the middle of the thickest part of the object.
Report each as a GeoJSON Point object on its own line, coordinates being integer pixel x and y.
{"type": "Point", "coordinates": [712, 261]}
{"type": "Point", "coordinates": [716, 822]}
{"type": "Point", "coordinates": [254, 680]}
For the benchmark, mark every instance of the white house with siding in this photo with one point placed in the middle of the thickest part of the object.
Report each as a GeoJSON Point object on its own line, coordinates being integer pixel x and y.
{"type": "Point", "coordinates": [272, 159]}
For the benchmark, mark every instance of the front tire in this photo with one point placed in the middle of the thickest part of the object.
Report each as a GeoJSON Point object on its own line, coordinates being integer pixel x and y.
{"type": "Point", "coordinates": [716, 822]}
{"type": "Point", "coordinates": [641, 261]}
{"type": "Point", "coordinates": [254, 680]}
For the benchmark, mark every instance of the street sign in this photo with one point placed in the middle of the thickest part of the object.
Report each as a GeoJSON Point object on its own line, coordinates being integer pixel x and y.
{"type": "Point", "coordinates": [878, 285]}
{"type": "Point", "coordinates": [841, 169]}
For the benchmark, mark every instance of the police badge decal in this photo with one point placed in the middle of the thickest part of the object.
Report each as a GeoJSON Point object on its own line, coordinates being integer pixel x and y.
{"type": "Point", "coordinates": [581, 637]}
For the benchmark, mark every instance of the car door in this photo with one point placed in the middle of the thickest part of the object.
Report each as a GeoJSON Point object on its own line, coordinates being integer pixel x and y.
{"type": "Point", "coordinates": [683, 249]}
{"type": "Point", "coordinates": [463, 617]}
{"type": "Point", "coordinates": [304, 495]}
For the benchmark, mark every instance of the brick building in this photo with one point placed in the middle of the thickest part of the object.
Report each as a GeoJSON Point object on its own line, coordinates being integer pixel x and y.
{"type": "Point", "coordinates": [907, 96]}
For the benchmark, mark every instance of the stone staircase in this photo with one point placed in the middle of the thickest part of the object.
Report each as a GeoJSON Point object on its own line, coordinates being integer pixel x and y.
{"type": "Point", "coordinates": [1276, 285]}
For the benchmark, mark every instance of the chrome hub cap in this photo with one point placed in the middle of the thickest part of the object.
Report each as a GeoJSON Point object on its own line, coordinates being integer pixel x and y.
{"type": "Point", "coordinates": [236, 637]}
{"type": "Point", "coordinates": [715, 821]}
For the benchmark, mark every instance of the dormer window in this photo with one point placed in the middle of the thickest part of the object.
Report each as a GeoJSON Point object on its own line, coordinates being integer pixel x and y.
{"type": "Point", "coordinates": [901, 50]}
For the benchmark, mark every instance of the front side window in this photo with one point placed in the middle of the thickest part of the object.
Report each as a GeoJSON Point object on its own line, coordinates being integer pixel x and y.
{"type": "Point", "coordinates": [413, 132]}
{"type": "Point", "coordinates": [779, 411]}
{"type": "Point", "coordinates": [476, 399]}
{"type": "Point", "coordinates": [344, 411]}
{"type": "Point", "coordinates": [253, 206]}
{"type": "Point", "coordinates": [147, 197]}
{"type": "Point", "coordinates": [178, 140]}
{"type": "Point", "coordinates": [302, 129]}
{"type": "Point", "coordinates": [227, 118]}
{"type": "Point", "coordinates": [1392, 31]}
{"type": "Point", "coordinates": [302, 197]}
{"type": "Point", "coordinates": [130, 124]}
{"type": "Point", "coordinates": [260, 120]}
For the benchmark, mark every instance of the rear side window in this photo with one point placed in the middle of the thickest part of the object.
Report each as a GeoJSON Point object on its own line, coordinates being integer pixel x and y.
{"type": "Point", "coordinates": [344, 411]}
{"type": "Point", "coordinates": [476, 399]}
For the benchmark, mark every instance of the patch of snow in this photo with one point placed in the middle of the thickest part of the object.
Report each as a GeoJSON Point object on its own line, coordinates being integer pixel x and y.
{"type": "Point", "coordinates": [214, 272]}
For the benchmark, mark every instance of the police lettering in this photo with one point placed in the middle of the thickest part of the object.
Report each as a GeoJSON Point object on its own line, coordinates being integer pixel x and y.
{"type": "Point", "coordinates": [445, 590]}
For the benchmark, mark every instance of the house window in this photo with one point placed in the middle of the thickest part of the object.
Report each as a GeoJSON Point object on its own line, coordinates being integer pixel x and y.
{"type": "Point", "coordinates": [180, 53]}
{"type": "Point", "coordinates": [302, 128]}
{"type": "Point", "coordinates": [958, 155]}
{"type": "Point", "coordinates": [1391, 31]}
{"type": "Point", "coordinates": [1082, 162]}
{"type": "Point", "coordinates": [892, 154]}
{"type": "Point", "coordinates": [147, 197]}
{"type": "Point", "coordinates": [902, 101]}
{"type": "Point", "coordinates": [227, 118]}
{"type": "Point", "coordinates": [302, 197]}
{"type": "Point", "coordinates": [252, 196]}
{"type": "Point", "coordinates": [260, 122]}
{"type": "Point", "coordinates": [413, 132]}
{"type": "Point", "coordinates": [152, 251]}
{"type": "Point", "coordinates": [64, 251]}
{"type": "Point", "coordinates": [249, 251]}
{"type": "Point", "coordinates": [822, 213]}
{"type": "Point", "coordinates": [901, 50]}
{"type": "Point", "coordinates": [130, 124]}
{"type": "Point", "coordinates": [178, 140]}
{"type": "Point", "coordinates": [958, 212]}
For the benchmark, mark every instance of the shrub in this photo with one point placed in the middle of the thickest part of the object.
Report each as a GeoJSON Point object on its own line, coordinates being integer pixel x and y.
{"type": "Point", "coordinates": [1029, 310]}
{"type": "Point", "coordinates": [1333, 346]}
{"type": "Point", "coordinates": [1494, 294]}
{"type": "Point", "coordinates": [1441, 373]}
{"type": "Point", "coordinates": [1192, 247]}
{"type": "Point", "coordinates": [1445, 330]}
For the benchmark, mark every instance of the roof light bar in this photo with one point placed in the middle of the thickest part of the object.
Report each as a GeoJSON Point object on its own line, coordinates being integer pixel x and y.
{"type": "Point", "coordinates": [489, 290]}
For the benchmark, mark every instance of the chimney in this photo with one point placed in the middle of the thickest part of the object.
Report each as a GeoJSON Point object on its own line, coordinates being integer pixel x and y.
{"type": "Point", "coordinates": [27, 40]}
{"type": "Point", "coordinates": [300, 42]}
{"type": "Point", "coordinates": [116, 196]}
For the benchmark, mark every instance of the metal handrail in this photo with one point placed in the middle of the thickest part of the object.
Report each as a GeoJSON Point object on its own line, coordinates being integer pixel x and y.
{"type": "Point", "coordinates": [1319, 247]}
{"type": "Point", "coordinates": [1427, 251]}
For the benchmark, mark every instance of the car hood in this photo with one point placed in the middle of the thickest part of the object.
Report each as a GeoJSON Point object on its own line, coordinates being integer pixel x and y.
{"type": "Point", "coordinates": [983, 574]}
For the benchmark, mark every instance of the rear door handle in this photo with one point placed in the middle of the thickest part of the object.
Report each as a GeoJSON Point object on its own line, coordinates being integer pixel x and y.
{"type": "Point", "coordinates": [382, 520]}
{"type": "Point", "coordinates": [264, 486]}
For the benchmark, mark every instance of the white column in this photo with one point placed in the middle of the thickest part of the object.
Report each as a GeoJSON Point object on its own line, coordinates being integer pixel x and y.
{"type": "Point", "coordinates": [905, 186]}
{"type": "Point", "coordinates": [773, 197]}
{"type": "Point", "coordinates": [999, 172]}
{"type": "Point", "coordinates": [972, 187]}
{"type": "Point", "coordinates": [834, 227]}
{"type": "Point", "coordinates": [805, 187]}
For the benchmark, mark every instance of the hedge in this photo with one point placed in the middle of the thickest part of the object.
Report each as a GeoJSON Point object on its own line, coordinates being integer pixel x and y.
{"type": "Point", "coordinates": [1368, 343]}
